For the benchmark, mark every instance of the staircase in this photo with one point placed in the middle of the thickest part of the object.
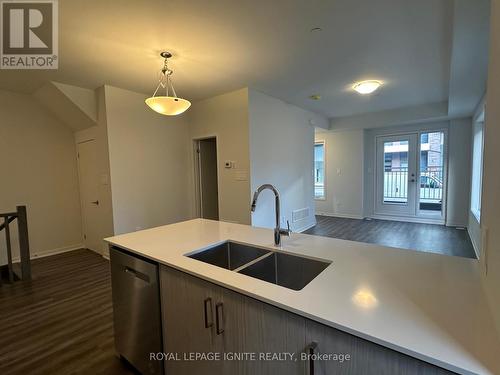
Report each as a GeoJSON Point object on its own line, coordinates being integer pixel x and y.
{"type": "Point", "coordinates": [22, 270]}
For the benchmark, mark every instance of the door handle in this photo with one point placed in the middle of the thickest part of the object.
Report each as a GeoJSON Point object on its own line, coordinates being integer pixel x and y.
{"type": "Point", "coordinates": [219, 318]}
{"type": "Point", "coordinates": [206, 304]}
{"type": "Point", "coordinates": [137, 274]}
{"type": "Point", "coordinates": [95, 202]}
{"type": "Point", "coordinates": [311, 348]}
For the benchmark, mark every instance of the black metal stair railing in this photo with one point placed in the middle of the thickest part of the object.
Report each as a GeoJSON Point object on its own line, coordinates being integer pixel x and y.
{"type": "Point", "coordinates": [22, 270]}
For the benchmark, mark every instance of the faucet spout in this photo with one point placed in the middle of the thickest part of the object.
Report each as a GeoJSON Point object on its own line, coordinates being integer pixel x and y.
{"type": "Point", "coordinates": [277, 230]}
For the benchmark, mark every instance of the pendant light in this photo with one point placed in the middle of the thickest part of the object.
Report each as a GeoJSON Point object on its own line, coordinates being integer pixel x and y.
{"type": "Point", "coordinates": [167, 105]}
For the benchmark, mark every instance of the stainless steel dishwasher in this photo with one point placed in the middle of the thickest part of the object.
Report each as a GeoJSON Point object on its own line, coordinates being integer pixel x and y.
{"type": "Point", "coordinates": [136, 310]}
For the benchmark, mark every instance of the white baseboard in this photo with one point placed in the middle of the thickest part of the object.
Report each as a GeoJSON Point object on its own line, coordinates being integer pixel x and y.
{"type": "Point", "coordinates": [48, 253]}
{"type": "Point", "coordinates": [408, 219]}
{"type": "Point", "coordinates": [461, 225]}
{"type": "Point", "coordinates": [303, 229]}
{"type": "Point", "coordinates": [474, 244]}
{"type": "Point", "coordinates": [345, 216]}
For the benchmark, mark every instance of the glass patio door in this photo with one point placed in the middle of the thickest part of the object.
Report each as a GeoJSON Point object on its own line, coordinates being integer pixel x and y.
{"type": "Point", "coordinates": [431, 174]}
{"type": "Point", "coordinates": [411, 175]}
{"type": "Point", "coordinates": [396, 175]}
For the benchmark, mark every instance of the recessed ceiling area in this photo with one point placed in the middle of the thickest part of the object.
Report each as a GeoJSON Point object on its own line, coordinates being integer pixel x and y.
{"type": "Point", "coordinates": [219, 46]}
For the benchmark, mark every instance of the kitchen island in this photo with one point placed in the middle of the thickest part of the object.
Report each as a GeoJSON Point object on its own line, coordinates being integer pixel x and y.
{"type": "Point", "coordinates": [426, 306]}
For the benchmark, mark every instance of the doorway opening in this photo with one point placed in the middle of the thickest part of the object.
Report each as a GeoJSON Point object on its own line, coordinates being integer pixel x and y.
{"type": "Point", "coordinates": [411, 176]}
{"type": "Point", "coordinates": [206, 178]}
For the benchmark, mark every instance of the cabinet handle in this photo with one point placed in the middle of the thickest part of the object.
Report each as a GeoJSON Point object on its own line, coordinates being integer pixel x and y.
{"type": "Point", "coordinates": [219, 317]}
{"type": "Point", "coordinates": [311, 348]}
{"type": "Point", "coordinates": [206, 304]}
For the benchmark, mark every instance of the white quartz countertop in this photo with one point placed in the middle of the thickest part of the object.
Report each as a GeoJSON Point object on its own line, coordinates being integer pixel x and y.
{"type": "Point", "coordinates": [428, 306]}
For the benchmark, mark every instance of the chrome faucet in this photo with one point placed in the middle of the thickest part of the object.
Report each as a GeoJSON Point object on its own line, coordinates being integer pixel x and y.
{"type": "Point", "coordinates": [278, 231]}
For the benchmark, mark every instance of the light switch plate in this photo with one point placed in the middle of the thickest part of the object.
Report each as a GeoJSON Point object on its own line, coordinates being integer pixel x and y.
{"type": "Point", "coordinates": [241, 175]}
{"type": "Point", "coordinates": [104, 179]}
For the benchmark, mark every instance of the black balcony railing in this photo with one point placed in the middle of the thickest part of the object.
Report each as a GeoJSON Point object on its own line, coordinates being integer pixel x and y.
{"type": "Point", "coordinates": [431, 184]}
{"type": "Point", "coordinates": [396, 184]}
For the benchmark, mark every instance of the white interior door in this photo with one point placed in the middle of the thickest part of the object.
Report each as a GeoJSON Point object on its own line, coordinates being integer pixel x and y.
{"type": "Point", "coordinates": [88, 172]}
{"type": "Point", "coordinates": [396, 175]}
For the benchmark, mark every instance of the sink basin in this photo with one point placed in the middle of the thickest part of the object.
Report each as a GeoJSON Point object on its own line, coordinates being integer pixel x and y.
{"type": "Point", "coordinates": [229, 255]}
{"type": "Point", "coordinates": [291, 271]}
{"type": "Point", "coordinates": [287, 270]}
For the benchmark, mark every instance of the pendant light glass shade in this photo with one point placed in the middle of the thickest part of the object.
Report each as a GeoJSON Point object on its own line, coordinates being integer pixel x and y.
{"type": "Point", "coordinates": [167, 105]}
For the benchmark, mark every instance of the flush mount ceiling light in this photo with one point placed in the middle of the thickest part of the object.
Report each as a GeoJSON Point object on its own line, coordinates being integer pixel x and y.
{"type": "Point", "coordinates": [366, 87]}
{"type": "Point", "coordinates": [167, 105]}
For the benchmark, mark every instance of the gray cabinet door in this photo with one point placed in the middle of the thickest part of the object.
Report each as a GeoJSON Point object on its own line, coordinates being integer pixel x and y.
{"type": "Point", "coordinates": [264, 331]}
{"type": "Point", "coordinates": [241, 326]}
{"type": "Point", "coordinates": [188, 323]}
{"type": "Point", "coordinates": [366, 358]}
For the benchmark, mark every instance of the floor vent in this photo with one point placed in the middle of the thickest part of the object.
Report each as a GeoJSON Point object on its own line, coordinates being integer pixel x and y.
{"type": "Point", "coordinates": [300, 214]}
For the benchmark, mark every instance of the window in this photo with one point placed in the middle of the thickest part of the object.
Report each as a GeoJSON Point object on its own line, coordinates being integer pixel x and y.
{"type": "Point", "coordinates": [319, 170]}
{"type": "Point", "coordinates": [477, 170]}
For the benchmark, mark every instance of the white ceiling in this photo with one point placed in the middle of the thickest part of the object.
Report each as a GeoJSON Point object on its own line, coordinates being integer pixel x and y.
{"type": "Point", "coordinates": [222, 45]}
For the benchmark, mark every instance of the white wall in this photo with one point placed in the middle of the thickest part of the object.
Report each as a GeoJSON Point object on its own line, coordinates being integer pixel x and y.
{"type": "Point", "coordinates": [41, 173]}
{"type": "Point", "coordinates": [149, 165]}
{"type": "Point", "coordinates": [226, 117]}
{"type": "Point", "coordinates": [392, 117]}
{"type": "Point", "coordinates": [344, 173]}
{"type": "Point", "coordinates": [281, 153]}
{"type": "Point", "coordinates": [459, 138]}
{"type": "Point", "coordinates": [474, 229]}
{"type": "Point", "coordinates": [490, 207]}
{"type": "Point", "coordinates": [459, 172]}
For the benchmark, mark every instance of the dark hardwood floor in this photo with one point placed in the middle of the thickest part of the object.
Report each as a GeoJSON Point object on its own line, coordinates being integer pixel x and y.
{"type": "Point", "coordinates": [423, 237]}
{"type": "Point", "coordinates": [61, 321]}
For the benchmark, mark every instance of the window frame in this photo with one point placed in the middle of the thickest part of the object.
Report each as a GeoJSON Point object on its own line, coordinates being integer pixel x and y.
{"type": "Point", "coordinates": [323, 198]}
{"type": "Point", "coordinates": [476, 191]}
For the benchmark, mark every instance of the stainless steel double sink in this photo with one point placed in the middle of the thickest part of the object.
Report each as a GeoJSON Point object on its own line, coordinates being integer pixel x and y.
{"type": "Point", "coordinates": [280, 268]}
